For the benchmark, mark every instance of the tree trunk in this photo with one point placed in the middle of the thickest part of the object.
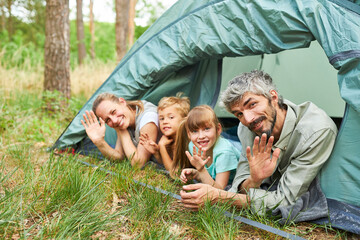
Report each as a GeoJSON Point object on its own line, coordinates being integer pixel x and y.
{"type": "Point", "coordinates": [10, 20]}
{"type": "Point", "coordinates": [80, 32]}
{"type": "Point", "coordinates": [3, 16]}
{"type": "Point", "coordinates": [131, 27]}
{"type": "Point", "coordinates": [92, 30]}
{"type": "Point", "coordinates": [57, 47]}
{"type": "Point", "coordinates": [121, 26]}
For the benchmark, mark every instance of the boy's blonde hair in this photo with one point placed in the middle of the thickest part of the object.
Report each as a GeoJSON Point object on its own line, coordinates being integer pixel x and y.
{"type": "Point", "coordinates": [181, 103]}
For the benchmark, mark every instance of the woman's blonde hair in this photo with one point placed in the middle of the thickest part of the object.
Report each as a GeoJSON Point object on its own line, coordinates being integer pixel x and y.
{"type": "Point", "coordinates": [111, 97]}
{"type": "Point", "coordinates": [199, 117]}
{"type": "Point", "coordinates": [181, 103]}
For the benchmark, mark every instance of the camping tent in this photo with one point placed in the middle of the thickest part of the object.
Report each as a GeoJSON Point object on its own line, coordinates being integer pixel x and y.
{"type": "Point", "coordinates": [188, 48]}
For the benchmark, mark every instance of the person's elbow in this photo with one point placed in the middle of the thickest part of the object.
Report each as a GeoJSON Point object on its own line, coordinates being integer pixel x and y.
{"type": "Point", "coordinates": [116, 157]}
{"type": "Point", "coordinates": [139, 160]}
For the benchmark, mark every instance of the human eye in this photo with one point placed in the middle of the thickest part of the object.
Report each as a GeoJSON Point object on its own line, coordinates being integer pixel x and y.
{"type": "Point", "coordinates": [113, 112]}
{"type": "Point", "coordinates": [238, 114]}
{"type": "Point", "coordinates": [161, 118]}
{"type": "Point", "coordinates": [252, 104]}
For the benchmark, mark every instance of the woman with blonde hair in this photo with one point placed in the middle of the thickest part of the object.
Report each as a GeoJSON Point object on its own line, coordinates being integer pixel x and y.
{"type": "Point", "coordinates": [130, 119]}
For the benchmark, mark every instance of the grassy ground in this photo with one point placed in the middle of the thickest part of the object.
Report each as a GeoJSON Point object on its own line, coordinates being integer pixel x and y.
{"type": "Point", "coordinates": [43, 195]}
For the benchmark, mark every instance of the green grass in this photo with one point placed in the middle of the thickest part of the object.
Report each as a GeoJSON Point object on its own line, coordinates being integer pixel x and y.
{"type": "Point", "coordinates": [46, 196]}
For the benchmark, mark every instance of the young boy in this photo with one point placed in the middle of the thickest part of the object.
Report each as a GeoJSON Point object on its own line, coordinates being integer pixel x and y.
{"type": "Point", "coordinates": [171, 111]}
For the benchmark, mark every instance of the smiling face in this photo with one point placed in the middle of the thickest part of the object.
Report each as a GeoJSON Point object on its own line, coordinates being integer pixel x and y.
{"type": "Point", "coordinates": [205, 137]}
{"type": "Point", "coordinates": [115, 114]}
{"type": "Point", "coordinates": [258, 113]}
{"type": "Point", "coordinates": [169, 120]}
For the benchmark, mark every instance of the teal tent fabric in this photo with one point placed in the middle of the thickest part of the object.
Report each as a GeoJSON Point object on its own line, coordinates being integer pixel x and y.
{"type": "Point", "coordinates": [181, 52]}
{"type": "Point", "coordinates": [340, 178]}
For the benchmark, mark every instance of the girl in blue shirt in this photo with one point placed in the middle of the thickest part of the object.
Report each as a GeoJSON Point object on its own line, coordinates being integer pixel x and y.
{"type": "Point", "coordinates": [201, 152]}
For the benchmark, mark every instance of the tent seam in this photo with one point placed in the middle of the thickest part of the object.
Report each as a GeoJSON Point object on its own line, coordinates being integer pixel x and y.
{"type": "Point", "coordinates": [352, 7]}
{"type": "Point", "coordinates": [344, 55]}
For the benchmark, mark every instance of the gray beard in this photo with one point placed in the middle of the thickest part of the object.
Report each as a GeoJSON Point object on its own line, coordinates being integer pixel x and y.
{"type": "Point", "coordinates": [269, 132]}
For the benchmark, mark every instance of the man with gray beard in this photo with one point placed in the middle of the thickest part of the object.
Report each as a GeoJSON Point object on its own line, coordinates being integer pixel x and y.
{"type": "Point", "coordinates": [284, 146]}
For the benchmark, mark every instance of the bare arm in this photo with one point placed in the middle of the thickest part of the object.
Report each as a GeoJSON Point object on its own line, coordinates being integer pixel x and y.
{"type": "Point", "coordinates": [150, 146]}
{"type": "Point", "coordinates": [109, 152]}
{"type": "Point", "coordinates": [138, 155]}
{"type": "Point", "coordinates": [165, 156]}
{"type": "Point", "coordinates": [204, 192]}
{"type": "Point", "coordinates": [96, 133]}
{"type": "Point", "coordinates": [201, 174]}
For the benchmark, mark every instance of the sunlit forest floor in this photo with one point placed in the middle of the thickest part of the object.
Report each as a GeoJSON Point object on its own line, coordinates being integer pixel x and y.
{"type": "Point", "coordinates": [43, 195]}
{"type": "Point", "coordinates": [85, 79]}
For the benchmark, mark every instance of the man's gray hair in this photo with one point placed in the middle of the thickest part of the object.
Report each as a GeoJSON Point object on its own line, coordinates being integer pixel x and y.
{"type": "Point", "coordinates": [256, 81]}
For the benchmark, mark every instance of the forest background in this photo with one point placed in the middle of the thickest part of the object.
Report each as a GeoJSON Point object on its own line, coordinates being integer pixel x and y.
{"type": "Point", "coordinates": [94, 43]}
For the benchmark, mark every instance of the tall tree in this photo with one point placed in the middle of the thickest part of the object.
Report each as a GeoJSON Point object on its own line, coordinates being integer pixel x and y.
{"type": "Point", "coordinates": [121, 26]}
{"type": "Point", "coordinates": [80, 32]}
{"type": "Point", "coordinates": [10, 27]}
{"type": "Point", "coordinates": [57, 47]}
{"type": "Point", "coordinates": [92, 30]}
{"type": "Point", "coordinates": [131, 23]}
{"type": "Point", "coordinates": [3, 16]}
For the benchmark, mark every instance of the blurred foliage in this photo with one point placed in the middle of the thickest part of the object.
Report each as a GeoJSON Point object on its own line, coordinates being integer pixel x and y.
{"type": "Point", "coordinates": [151, 10]}
{"type": "Point", "coordinates": [22, 33]}
{"type": "Point", "coordinates": [20, 48]}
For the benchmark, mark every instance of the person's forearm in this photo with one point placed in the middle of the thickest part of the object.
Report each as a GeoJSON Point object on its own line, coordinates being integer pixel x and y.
{"type": "Point", "coordinates": [247, 184]}
{"type": "Point", "coordinates": [108, 151]}
{"type": "Point", "coordinates": [219, 182]}
{"type": "Point", "coordinates": [166, 159]}
{"type": "Point", "coordinates": [130, 150]}
{"type": "Point", "coordinates": [158, 157]}
{"type": "Point", "coordinates": [204, 177]}
{"type": "Point", "coordinates": [236, 199]}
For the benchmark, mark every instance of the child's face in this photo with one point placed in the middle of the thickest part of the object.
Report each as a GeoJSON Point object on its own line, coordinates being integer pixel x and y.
{"type": "Point", "coordinates": [169, 119]}
{"type": "Point", "coordinates": [204, 137]}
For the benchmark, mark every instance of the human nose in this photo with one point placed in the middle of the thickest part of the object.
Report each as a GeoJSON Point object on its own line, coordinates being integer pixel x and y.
{"type": "Point", "coordinates": [201, 134]}
{"type": "Point", "coordinates": [111, 121]}
{"type": "Point", "coordinates": [248, 117]}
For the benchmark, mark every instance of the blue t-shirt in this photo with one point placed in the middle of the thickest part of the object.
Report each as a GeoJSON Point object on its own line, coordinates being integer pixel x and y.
{"type": "Point", "coordinates": [225, 158]}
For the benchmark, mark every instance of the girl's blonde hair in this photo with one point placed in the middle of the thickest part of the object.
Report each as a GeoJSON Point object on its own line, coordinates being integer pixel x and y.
{"type": "Point", "coordinates": [181, 103]}
{"type": "Point", "coordinates": [111, 97]}
{"type": "Point", "coordinates": [199, 117]}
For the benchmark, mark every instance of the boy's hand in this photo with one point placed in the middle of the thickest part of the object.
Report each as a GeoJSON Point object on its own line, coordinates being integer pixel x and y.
{"type": "Point", "coordinates": [148, 144]}
{"type": "Point", "coordinates": [164, 141]}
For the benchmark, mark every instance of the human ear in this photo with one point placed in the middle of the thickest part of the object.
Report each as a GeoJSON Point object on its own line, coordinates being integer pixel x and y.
{"type": "Point", "coordinates": [274, 95]}
{"type": "Point", "coordinates": [219, 129]}
{"type": "Point", "coordinates": [121, 100]}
